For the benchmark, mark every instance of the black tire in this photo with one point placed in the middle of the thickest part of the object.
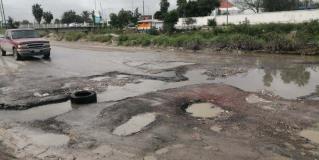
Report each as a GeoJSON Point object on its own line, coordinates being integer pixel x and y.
{"type": "Point", "coordinates": [3, 53]}
{"type": "Point", "coordinates": [83, 97]}
{"type": "Point", "coordinates": [16, 55]}
{"type": "Point", "coordinates": [47, 56]}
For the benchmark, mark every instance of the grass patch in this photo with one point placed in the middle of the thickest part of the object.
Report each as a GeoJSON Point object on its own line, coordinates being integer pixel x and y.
{"type": "Point", "coordinates": [74, 36]}
{"type": "Point", "coordinates": [267, 37]}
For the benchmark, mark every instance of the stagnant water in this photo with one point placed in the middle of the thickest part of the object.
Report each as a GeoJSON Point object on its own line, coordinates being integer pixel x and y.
{"type": "Point", "coordinates": [204, 110]}
{"type": "Point", "coordinates": [288, 83]}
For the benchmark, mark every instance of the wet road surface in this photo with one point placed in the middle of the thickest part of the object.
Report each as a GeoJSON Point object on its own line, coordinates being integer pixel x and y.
{"type": "Point", "coordinates": [120, 74]}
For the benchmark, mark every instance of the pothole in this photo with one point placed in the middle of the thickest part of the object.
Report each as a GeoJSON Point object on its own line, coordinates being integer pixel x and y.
{"type": "Point", "coordinates": [204, 110]}
{"type": "Point", "coordinates": [135, 124]}
{"type": "Point", "coordinates": [311, 134]}
{"type": "Point", "coordinates": [37, 113]}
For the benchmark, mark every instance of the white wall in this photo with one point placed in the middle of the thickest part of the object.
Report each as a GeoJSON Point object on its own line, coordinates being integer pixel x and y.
{"type": "Point", "coordinates": [267, 17]}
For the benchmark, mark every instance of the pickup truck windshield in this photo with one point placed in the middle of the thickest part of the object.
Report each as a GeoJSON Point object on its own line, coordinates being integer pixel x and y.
{"type": "Point", "coordinates": [24, 34]}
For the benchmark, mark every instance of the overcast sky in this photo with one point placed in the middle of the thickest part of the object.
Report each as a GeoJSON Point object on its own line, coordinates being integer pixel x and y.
{"type": "Point", "coordinates": [21, 9]}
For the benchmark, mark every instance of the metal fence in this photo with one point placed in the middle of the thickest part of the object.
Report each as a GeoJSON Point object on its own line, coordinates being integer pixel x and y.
{"type": "Point", "coordinates": [53, 26]}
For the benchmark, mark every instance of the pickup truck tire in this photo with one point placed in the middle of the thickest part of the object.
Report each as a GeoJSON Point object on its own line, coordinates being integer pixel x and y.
{"type": "Point", "coordinates": [3, 53]}
{"type": "Point", "coordinates": [83, 97]}
{"type": "Point", "coordinates": [47, 56]}
{"type": "Point", "coordinates": [16, 55]}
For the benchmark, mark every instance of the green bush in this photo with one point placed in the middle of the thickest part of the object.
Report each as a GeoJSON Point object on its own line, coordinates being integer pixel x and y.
{"type": "Point", "coordinates": [280, 42]}
{"type": "Point", "coordinates": [212, 23]}
{"type": "Point", "coordinates": [99, 38]}
{"type": "Point", "coordinates": [269, 37]}
{"type": "Point", "coordinates": [74, 36]}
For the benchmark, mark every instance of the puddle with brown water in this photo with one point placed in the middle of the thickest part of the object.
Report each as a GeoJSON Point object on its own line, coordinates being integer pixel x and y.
{"type": "Point", "coordinates": [204, 110]}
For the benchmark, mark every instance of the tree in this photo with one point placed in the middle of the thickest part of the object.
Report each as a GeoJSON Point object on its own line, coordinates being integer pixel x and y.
{"type": "Point", "coordinates": [69, 17]}
{"type": "Point", "coordinates": [280, 5]}
{"type": "Point", "coordinates": [170, 20]}
{"type": "Point", "coordinates": [12, 24]}
{"type": "Point", "coordinates": [191, 9]}
{"type": "Point", "coordinates": [158, 15]}
{"type": "Point", "coordinates": [37, 12]}
{"type": "Point", "coordinates": [164, 5]}
{"type": "Point", "coordinates": [114, 20]}
{"type": "Point", "coordinates": [196, 8]}
{"type": "Point", "coordinates": [207, 6]}
{"type": "Point", "coordinates": [181, 7]}
{"type": "Point", "coordinates": [86, 16]}
{"type": "Point", "coordinates": [136, 16]}
{"type": "Point", "coordinates": [125, 18]}
{"type": "Point", "coordinates": [79, 19]}
{"type": "Point", "coordinates": [253, 5]}
{"type": "Point", "coordinates": [47, 16]}
{"type": "Point", "coordinates": [25, 22]}
{"type": "Point", "coordinates": [57, 21]}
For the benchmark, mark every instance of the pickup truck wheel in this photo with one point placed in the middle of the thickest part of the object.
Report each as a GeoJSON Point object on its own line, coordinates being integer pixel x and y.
{"type": "Point", "coordinates": [16, 55]}
{"type": "Point", "coordinates": [46, 56]}
{"type": "Point", "coordinates": [3, 53]}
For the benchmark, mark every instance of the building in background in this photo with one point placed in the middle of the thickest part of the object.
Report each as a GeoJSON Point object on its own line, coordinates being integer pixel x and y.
{"type": "Point", "coordinates": [148, 24]}
{"type": "Point", "coordinates": [226, 7]}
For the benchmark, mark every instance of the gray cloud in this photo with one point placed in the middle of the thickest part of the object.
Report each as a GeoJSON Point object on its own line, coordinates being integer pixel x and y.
{"type": "Point", "coordinates": [21, 9]}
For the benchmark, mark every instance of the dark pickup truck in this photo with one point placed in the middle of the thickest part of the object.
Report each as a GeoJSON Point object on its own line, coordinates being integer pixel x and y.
{"type": "Point", "coordinates": [24, 43]}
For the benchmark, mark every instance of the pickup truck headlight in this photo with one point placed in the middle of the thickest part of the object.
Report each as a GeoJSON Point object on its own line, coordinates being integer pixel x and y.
{"type": "Point", "coordinates": [46, 44]}
{"type": "Point", "coordinates": [21, 46]}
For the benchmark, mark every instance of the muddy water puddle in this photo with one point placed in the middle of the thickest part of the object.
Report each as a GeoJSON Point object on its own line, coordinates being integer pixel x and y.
{"type": "Point", "coordinates": [204, 110]}
{"type": "Point", "coordinates": [289, 83]}
{"type": "Point", "coordinates": [114, 93]}
{"type": "Point", "coordinates": [135, 124]}
{"type": "Point", "coordinates": [36, 113]}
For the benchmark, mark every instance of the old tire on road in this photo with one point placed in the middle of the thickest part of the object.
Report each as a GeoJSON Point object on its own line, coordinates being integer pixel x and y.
{"type": "Point", "coordinates": [83, 97]}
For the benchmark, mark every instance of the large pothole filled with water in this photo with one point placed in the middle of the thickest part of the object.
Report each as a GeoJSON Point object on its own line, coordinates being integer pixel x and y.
{"type": "Point", "coordinates": [203, 110]}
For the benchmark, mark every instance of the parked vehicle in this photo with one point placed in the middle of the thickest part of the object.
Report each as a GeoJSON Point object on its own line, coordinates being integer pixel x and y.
{"type": "Point", "coordinates": [24, 43]}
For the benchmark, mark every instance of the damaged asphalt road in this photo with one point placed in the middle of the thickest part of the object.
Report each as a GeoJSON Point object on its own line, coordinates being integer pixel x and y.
{"type": "Point", "coordinates": [247, 105]}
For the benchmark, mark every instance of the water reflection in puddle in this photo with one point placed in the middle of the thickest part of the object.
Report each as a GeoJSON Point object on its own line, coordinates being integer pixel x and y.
{"type": "Point", "coordinates": [115, 93]}
{"type": "Point", "coordinates": [287, 83]}
{"type": "Point", "coordinates": [204, 110]}
{"type": "Point", "coordinates": [36, 113]}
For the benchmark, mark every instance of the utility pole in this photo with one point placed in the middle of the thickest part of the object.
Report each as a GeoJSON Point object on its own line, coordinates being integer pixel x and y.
{"type": "Point", "coordinates": [4, 21]}
{"type": "Point", "coordinates": [143, 9]}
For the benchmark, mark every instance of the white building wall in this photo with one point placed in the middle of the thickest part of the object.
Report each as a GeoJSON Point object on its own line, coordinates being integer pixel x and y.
{"type": "Point", "coordinates": [266, 17]}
